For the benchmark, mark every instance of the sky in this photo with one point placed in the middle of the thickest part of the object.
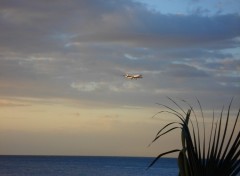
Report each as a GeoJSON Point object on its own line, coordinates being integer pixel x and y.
{"type": "Point", "coordinates": [62, 90]}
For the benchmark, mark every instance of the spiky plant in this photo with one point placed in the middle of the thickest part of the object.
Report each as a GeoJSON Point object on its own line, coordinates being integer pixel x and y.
{"type": "Point", "coordinates": [218, 156]}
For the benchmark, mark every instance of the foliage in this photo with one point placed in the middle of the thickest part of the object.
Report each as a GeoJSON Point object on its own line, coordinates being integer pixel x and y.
{"type": "Point", "coordinates": [219, 155]}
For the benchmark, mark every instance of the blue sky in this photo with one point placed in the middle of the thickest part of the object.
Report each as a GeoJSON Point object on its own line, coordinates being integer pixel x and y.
{"type": "Point", "coordinates": [205, 7]}
{"type": "Point", "coordinates": [71, 55]}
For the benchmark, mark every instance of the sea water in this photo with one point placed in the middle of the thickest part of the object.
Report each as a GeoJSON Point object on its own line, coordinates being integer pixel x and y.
{"type": "Point", "coordinates": [85, 166]}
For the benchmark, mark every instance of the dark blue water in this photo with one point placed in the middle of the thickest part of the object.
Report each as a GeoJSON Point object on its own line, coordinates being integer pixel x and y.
{"type": "Point", "coordinates": [85, 166]}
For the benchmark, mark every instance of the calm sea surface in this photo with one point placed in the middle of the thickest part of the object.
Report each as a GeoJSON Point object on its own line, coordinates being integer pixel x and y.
{"type": "Point", "coordinates": [85, 166]}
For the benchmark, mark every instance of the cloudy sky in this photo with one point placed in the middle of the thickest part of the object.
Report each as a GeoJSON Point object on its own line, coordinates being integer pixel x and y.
{"type": "Point", "coordinates": [62, 89]}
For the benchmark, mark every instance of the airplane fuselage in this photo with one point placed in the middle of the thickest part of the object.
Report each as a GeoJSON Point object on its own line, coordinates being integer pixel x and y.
{"type": "Point", "coordinates": [133, 76]}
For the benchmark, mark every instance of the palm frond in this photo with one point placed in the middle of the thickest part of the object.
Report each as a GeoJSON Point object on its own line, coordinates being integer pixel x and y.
{"type": "Point", "coordinates": [162, 154]}
{"type": "Point", "coordinates": [219, 155]}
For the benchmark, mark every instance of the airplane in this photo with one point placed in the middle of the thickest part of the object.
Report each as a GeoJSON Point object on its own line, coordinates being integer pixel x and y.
{"type": "Point", "coordinates": [133, 76]}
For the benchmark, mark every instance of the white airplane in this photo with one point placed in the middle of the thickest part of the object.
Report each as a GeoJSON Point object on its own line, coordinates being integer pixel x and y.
{"type": "Point", "coordinates": [133, 76]}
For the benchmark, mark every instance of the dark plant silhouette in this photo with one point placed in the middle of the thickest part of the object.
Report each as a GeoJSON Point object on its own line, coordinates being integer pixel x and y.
{"type": "Point", "coordinates": [219, 155]}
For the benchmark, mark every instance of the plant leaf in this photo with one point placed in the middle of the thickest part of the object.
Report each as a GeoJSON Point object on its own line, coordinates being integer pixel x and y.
{"type": "Point", "coordinates": [162, 154]}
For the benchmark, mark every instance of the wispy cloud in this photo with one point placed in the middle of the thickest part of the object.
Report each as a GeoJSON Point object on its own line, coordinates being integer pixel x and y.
{"type": "Point", "coordinates": [11, 103]}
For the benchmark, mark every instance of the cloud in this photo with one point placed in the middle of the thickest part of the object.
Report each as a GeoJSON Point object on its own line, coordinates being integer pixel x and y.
{"type": "Point", "coordinates": [154, 30]}
{"type": "Point", "coordinates": [42, 28]}
{"type": "Point", "coordinates": [12, 103]}
{"type": "Point", "coordinates": [88, 87]}
{"type": "Point", "coordinates": [106, 86]}
{"type": "Point", "coordinates": [75, 48]}
{"type": "Point", "coordinates": [130, 57]}
{"type": "Point", "coordinates": [184, 71]}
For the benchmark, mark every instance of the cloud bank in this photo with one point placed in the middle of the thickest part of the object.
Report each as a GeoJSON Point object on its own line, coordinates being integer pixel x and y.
{"type": "Point", "coordinates": [81, 49]}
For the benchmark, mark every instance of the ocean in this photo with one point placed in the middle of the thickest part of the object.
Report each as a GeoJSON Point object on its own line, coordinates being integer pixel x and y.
{"type": "Point", "coordinates": [85, 166]}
